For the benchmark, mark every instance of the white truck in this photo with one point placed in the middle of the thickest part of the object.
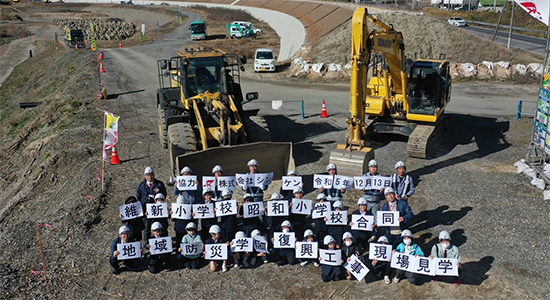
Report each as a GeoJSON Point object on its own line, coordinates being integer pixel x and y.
{"type": "Point", "coordinates": [245, 26]}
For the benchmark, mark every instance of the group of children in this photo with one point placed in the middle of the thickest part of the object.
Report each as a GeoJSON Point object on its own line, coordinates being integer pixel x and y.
{"type": "Point", "coordinates": [223, 230]}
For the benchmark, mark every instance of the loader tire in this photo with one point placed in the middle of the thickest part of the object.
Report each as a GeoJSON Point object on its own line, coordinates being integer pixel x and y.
{"type": "Point", "coordinates": [181, 140]}
{"type": "Point", "coordinates": [257, 130]}
{"type": "Point", "coordinates": [163, 134]}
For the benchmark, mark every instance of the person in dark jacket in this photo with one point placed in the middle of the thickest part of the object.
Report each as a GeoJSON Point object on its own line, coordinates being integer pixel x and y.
{"type": "Point", "coordinates": [350, 248]}
{"type": "Point", "coordinates": [136, 225]}
{"type": "Point", "coordinates": [124, 236]}
{"type": "Point", "coordinates": [321, 228]}
{"type": "Point", "coordinates": [405, 216]}
{"type": "Point", "coordinates": [228, 224]}
{"type": "Point", "coordinates": [330, 273]}
{"type": "Point", "coordinates": [146, 192]}
{"type": "Point", "coordinates": [362, 236]}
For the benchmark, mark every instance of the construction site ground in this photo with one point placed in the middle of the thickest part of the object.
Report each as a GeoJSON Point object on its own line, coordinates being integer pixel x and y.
{"type": "Point", "coordinates": [50, 173]}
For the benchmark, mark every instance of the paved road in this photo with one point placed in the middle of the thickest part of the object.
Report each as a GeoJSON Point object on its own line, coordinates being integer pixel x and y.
{"type": "Point", "coordinates": [528, 43]}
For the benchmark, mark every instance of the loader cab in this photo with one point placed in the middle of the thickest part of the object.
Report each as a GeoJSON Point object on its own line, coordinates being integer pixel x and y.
{"type": "Point", "coordinates": [428, 87]}
{"type": "Point", "coordinates": [203, 74]}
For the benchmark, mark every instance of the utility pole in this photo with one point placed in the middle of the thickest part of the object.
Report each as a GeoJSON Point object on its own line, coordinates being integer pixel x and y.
{"type": "Point", "coordinates": [511, 24]}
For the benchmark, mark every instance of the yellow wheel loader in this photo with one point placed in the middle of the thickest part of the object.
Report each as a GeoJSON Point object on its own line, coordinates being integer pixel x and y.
{"type": "Point", "coordinates": [402, 97]}
{"type": "Point", "coordinates": [202, 122]}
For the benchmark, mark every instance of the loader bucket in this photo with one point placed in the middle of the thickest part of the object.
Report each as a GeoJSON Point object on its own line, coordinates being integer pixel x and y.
{"type": "Point", "coordinates": [351, 162]}
{"type": "Point", "coordinates": [271, 157]}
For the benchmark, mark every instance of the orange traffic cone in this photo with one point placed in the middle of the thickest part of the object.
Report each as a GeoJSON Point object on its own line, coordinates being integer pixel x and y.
{"type": "Point", "coordinates": [324, 113]}
{"type": "Point", "coordinates": [101, 68]}
{"type": "Point", "coordinates": [115, 159]}
{"type": "Point", "coordinates": [76, 46]}
{"type": "Point", "coordinates": [120, 45]}
{"type": "Point", "coordinates": [101, 55]}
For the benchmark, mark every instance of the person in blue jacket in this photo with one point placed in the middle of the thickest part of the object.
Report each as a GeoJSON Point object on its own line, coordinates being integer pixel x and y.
{"type": "Point", "coordinates": [124, 236]}
{"type": "Point", "coordinates": [146, 192]}
{"type": "Point", "coordinates": [409, 248]}
{"type": "Point", "coordinates": [333, 194]}
{"type": "Point", "coordinates": [405, 216]}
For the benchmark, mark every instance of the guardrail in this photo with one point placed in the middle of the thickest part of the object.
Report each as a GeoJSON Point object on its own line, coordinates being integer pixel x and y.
{"type": "Point", "coordinates": [506, 27]}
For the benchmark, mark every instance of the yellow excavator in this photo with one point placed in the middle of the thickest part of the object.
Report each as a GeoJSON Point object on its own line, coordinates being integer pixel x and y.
{"type": "Point", "coordinates": [403, 97]}
{"type": "Point", "coordinates": [201, 117]}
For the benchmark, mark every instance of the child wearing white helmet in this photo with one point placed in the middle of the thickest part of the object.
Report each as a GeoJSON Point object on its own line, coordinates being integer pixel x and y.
{"type": "Point", "coordinates": [402, 183]}
{"type": "Point", "coordinates": [191, 261]}
{"type": "Point", "coordinates": [285, 255]}
{"type": "Point", "coordinates": [309, 236]}
{"type": "Point", "coordinates": [136, 225]}
{"type": "Point", "coordinates": [124, 236]}
{"type": "Point", "coordinates": [274, 222]}
{"type": "Point", "coordinates": [255, 254]}
{"type": "Point", "coordinates": [298, 220]}
{"type": "Point", "coordinates": [240, 258]}
{"type": "Point", "coordinates": [321, 228]}
{"type": "Point", "coordinates": [228, 224]}
{"type": "Point", "coordinates": [379, 268]}
{"type": "Point", "coordinates": [250, 224]}
{"type": "Point", "coordinates": [159, 198]}
{"type": "Point", "coordinates": [444, 249]}
{"type": "Point", "coordinates": [332, 193]}
{"type": "Point", "coordinates": [405, 216]}
{"type": "Point", "coordinates": [336, 231]}
{"type": "Point", "coordinates": [157, 262]}
{"type": "Point", "coordinates": [217, 171]}
{"type": "Point", "coordinates": [216, 238]}
{"type": "Point", "coordinates": [362, 237]}
{"type": "Point", "coordinates": [208, 195]}
{"type": "Point", "coordinates": [180, 224]}
{"type": "Point", "coordinates": [146, 191]}
{"type": "Point", "coordinates": [349, 248]}
{"type": "Point", "coordinates": [288, 194]}
{"type": "Point", "coordinates": [409, 248]}
{"type": "Point", "coordinates": [330, 273]}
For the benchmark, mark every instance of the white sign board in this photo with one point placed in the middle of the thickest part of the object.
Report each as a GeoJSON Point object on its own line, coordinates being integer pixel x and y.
{"type": "Point", "coordinates": [253, 209]}
{"type": "Point", "coordinates": [371, 182]}
{"type": "Point", "coordinates": [226, 208]}
{"type": "Point", "coordinates": [260, 244]}
{"type": "Point", "coordinates": [331, 257]}
{"type": "Point", "coordinates": [322, 181]}
{"type": "Point", "coordinates": [291, 182]}
{"type": "Point", "coordinates": [220, 183]}
{"type": "Point", "coordinates": [263, 179]}
{"type": "Point", "coordinates": [423, 266]}
{"type": "Point", "coordinates": [181, 211]}
{"type": "Point", "coordinates": [356, 267]}
{"type": "Point", "coordinates": [284, 240]}
{"type": "Point", "coordinates": [215, 251]}
{"type": "Point", "coordinates": [128, 250]}
{"type": "Point", "coordinates": [186, 183]}
{"type": "Point", "coordinates": [204, 211]}
{"type": "Point", "coordinates": [157, 210]}
{"type": "Point", "coordinates": [342, 182]}
{"type": "Point", "coordinates": [160, 245]}
{"type": "Point", "coordinates": [306, 250]}
{"type": "Point", "coordinates": [301, 206]}
{"type": "Point", "coordinates": [321, 210]}
{"type": "Point", "coordinates": [242, 245]}
{"type": "Point", "coordinates": [209, 182]}
{"type": "Point", "coordinates": [131, 211]}
{"type": "Point", "coordinates": [337, 218]}
{"type": "Point", "coordinates": [387, 218]}
{"type": "Point", "coordinates": [362, 222]}
{"type": "Point", "coordinates": [277, 208]}
{"type": "Point", "coordinates": [245, 180]}
{"type": "Point", "coordinates": [446, 266]}
{"type": "Point", "coordinates": [380, 252]}
{"type": "Point", "coordinates": [191, 249]}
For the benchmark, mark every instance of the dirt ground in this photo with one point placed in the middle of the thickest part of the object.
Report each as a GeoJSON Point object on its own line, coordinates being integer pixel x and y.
{"type": "Point", "coordinates": [51, 164]}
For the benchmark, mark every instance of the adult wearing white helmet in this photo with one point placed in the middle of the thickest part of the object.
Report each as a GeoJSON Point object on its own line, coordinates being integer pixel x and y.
{"type": "Point", "coordinates": [228, 223]}
{"type": "Point", "coordinates": [216, 238]}
{"type": "Point", "coordinates": [206, 223]}
{"type": "Point", "coordinates": [298, 220]}
{"type": "Point", "coordinates": [146, 191]}
{"type": "Point", "coordinates": [362, 236]}
{"type": "Point", "coordinates": [405, 216]}
{"type": "Point", "coordinates": [410, 248]}
{"type": "Point", "coordinates": [256, 192]}
{"type": "Point", "coordinates": [402, 183]}
{"type": "Point", "coordinates": [373, 196]}
{"type": "Point", "coordinates": [191, 261]}
{"type": "Point", "coordinates": [285, 255]}
{"type": "Point", "coordinates": [189, 196]}
{"type": "Point", "coordinates": [124, 236]}
{"type": "Point", "coordinates": [217, 171]}
{"type": "Point", "coordinates": [336, 231]}
{"type": "Point", "coordinates": [157, 262]}
{"type": "Point", "coordinates": [444, 249]}
{"type": "Point", "coordinates": [332, 193]}
{"type": "Point", "coordinates": [328, 272]}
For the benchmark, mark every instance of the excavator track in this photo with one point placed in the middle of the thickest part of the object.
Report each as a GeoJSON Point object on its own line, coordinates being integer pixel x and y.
{"type": "Point", "coordinates": [423, 137]}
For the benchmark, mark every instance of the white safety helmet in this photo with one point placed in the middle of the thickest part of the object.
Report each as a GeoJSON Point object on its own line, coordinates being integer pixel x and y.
{"type": "Point", "coordinates": [308, 232]}
{"type": "Point", "coordinates": [190, 225]}
{"type": "Point", "coordinates": [291, 172]}
{"type": "Point", "coordinates": [373, 163]}
{"type": "Point", "coordinates": [347, 235]}
{"type": "Point", "coordinates": [180, 199]}
{"type": "Point", "coordinates": [156, 226]}
{"type": "Point", "coordinates": [389, 190]}
{"type": "Point", "coordinates": [207, 190]}
{"type": "Point", "coordinates": [286, 223]}
{"type": "Point", "coordinates": [276, 196]}
{"type": "Point", "coordinates": [338, 204]}
{"type": "Point", "coordinates": [149, 170]}
{"type": "Point", "coordinates": [255, 232]}
{"type": "Point", "coordinates": [215, 229]}
{"type": "Point", "coordinates": [240, 235]}
{"type": "Point", "coordinates": [159, 196]}
{"type": "Point", "coordinates": [362, 201]}
{"type": "Point", "coordinates": [186, 169]}
{"type": "Point", "coordinates": [226, 192]}
{"type": "Point", "coordinates": [407, 233]}
{"type": "Point", "coordinates": [124, 228]}
{"type": "Point", "coordinates": [217, 168]}
{"type": "Point", "coordinates": [252, 162]}
{"type": "Point", "coordinates": [400, 164]}
{"type": "Point", "coordinates": [321, 197]}
{"type": "Point", "coordinates": [383, 239]}
{"type": "Point", "coordinates": [247, 195]}
{"type": "Point", "coordinates": [331, 166]}
{"type": "Point", "coordinates": [297, 190]}
{"type": "Point", "coordinates": [444, 235]}
{"type": "Point", "coordinates": [329, 239]}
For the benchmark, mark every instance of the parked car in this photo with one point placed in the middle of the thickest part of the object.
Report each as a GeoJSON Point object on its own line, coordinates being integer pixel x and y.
{"type": "Point", "coordinates": [247, 26]}
{"type": "Point", "coordinates": [456, 21]}
{"type": "Point", "coordinates": [264, 60]}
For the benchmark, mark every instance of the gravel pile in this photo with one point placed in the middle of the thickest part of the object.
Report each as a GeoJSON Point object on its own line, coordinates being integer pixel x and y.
{"type": "Point", "coordinates": [107, 29]}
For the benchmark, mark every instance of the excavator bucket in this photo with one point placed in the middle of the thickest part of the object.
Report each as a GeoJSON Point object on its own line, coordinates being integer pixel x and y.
{"type": "Point", "coordinates": [271, 157]}
{"type": "Point", "coordinates": [351, 162]}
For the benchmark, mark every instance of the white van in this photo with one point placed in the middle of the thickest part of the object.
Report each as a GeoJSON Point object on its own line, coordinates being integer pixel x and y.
{"type": "Point", "coordinates": [247, 26]}
{"type": "Point", "coordinates": [264, 60]}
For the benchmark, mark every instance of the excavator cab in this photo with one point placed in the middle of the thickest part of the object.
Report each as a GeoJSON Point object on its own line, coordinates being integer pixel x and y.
{"type": "Point", "coordinates": [429, 84]}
